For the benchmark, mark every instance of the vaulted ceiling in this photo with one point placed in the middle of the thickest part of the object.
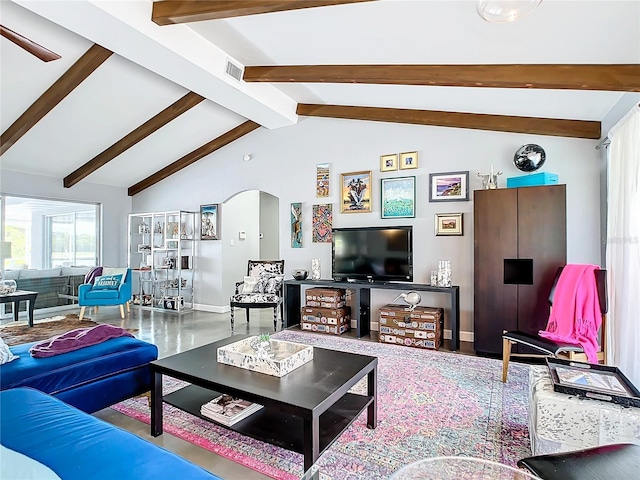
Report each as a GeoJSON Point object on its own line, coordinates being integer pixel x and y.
{"type": "Point", "coordinates": [144, 89]}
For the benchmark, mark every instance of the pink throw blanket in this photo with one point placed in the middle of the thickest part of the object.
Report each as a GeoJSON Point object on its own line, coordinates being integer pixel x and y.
{"type": "Point", "coordinates": [575, 316]}
{"type": "Point", "coordinates": [76, 339]}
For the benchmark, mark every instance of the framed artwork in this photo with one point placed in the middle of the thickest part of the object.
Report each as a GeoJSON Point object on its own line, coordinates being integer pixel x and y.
{"type": "Point", "coordinates": [296, 225]}
{"type": "Point", "coordinates": [210, 222]}
{"type": "Point", "coordinates": [355, 195]}
{"type": "Point", "coordinates": [449, 224]}
{"type": "Point", "coordinates": [408, 160]}
{"type": "Point", "coordinates": [389, 162]}
{"type": "Point", "coordinates": [449, 186]}
{"type": "Point", "coordinates": [322, 180]}
{"type": "Point", "coordinates": [398, 197]}
{"type": "Point", "coordinates": [322, 223]}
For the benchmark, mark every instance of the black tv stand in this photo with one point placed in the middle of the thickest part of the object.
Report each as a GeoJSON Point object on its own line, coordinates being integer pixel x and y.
{"type": "Point", "coordinates": [362, 289]}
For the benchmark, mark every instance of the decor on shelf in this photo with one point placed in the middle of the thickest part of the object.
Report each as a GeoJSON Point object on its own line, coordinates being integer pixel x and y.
{"type": "Point", "coordinates": [143, 228]}
{"type": "Point", "coordinates": [408, 160]}
{"type": "Point", "coordinates": [296, 225]}
{"type": "Point", "coordinates": [210, 222]}
{"type": "Point", "coordinates": [8, 286]}
{"type": "Point", "coordinates": [504, 11]}
{"type": "Point", "coordinates": [449, 224]}
{"type": "Point", "coordinates": [322, 222]}
{"type": "Point", "coordinates": [315, 269]}
{"type": "Point", "coordinates": [449, 186]}
{"type": "Point", "coordinates": [356, 192]}
{"type": "Point", "coordinates": [412, 298]}
{"type": "Point", "coordinates": [529, 158]}
{"type": "Point", "coordinates": [398, 197]}
{"type": "Point", "coordinates": [300, 274]}
{"type": "Point", "coordinates": [158, 228]}
{"type": "Point", "coordinates": [389, 163]}
{"type": "Point", "coordinates": [322, 180]}
{"type": "Point", "coordinates": [490, 180]}
{"type": "Point", "coordinates": [444, 273]}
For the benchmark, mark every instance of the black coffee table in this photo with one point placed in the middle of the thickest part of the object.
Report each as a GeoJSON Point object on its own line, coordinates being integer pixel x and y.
{"type": "Point", "coordinates": [17, 297]}
{"type": "Point", "coordinates": [304, 411]}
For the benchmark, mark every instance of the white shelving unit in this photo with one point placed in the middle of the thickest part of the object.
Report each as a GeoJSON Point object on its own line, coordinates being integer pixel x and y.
{"type": "Point", "coordinates": [161, 254]}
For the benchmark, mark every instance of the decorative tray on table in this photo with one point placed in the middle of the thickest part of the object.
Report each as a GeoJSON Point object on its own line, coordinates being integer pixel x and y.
{"type": "Point", "coordinates": [274, 357]}
{"type": "Point", "coordinates": [601, 382]}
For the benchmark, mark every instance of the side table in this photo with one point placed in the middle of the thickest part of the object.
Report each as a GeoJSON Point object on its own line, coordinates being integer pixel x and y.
{"type": "Point", "coordinates": [560, 423]}
{"type": "Point", "coordinates": [16, 297]}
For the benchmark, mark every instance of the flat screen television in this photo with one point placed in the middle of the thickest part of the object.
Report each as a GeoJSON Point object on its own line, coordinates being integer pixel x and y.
{"type": "Point", "coordinates": [373, 253]}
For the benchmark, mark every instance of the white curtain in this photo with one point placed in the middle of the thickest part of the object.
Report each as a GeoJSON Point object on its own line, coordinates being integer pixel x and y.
{"type": "Point", "coordinates": [623, 246]}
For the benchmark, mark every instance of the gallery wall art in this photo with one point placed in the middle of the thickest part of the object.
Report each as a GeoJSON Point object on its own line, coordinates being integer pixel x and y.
{"type": "Point", "coordinates": [322, 223]}
{"type": "Point", "coordinates": [296, 225]}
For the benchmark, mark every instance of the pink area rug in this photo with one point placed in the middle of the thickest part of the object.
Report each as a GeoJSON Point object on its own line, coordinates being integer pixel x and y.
{"type": "Point", "coordinates": [429, 404]}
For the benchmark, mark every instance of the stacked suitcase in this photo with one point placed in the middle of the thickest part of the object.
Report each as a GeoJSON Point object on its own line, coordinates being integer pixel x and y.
{"type": "Point", "coordinates": [325, 311]}
{"type": "Point", "coordinates": [421, 328]}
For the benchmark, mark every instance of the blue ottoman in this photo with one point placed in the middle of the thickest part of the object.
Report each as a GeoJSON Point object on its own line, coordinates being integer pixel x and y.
{"type": "Point", "coordinates": [77, 446]}
{"type": "Point", "coordinates": [90, 378]}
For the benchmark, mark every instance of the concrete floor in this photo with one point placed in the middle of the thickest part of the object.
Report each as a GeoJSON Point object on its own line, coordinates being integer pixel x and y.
{"type": "Point", "coordinates": [174, 333]}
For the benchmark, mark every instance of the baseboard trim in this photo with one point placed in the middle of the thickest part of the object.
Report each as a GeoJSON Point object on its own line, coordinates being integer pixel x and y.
{"type": "Point", "coordinates": [211, 308]}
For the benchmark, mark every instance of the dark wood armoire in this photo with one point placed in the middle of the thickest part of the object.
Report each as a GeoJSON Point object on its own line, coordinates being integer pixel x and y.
{"type": "Point", "coordinates": [520, 240]}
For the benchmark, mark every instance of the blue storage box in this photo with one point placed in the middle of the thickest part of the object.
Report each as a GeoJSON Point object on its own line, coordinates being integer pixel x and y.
{"type": "Point", "coordinates": [533, 180]}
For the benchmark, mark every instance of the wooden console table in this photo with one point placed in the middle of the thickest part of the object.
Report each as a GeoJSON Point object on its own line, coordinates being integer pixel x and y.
{"type": "Point", "coordinates": [362, 290]}
{"type": "Point", "coordinates": [16, 297]}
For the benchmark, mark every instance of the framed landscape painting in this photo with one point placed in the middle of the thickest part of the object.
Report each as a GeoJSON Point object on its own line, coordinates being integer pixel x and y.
{"type": "Point", "coordinates": [449, 224]}
{"type": "Point", "coordinates": [210, 222]}
{"type": "Point", "coordinates": [449, 186]}
{"type": "Point", "coordinates": [398, 197]}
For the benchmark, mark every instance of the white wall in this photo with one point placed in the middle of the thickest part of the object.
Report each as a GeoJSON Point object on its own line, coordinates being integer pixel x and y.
{"type": "Point", "coordinates": [116, 205]}
{"type": "Point", "coordinates": [284, 165]}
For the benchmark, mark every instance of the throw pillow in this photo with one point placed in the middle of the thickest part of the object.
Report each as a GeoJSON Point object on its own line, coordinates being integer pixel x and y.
{"type": "Point", "coordinates": [115, 271]}
{"type": "Point", "coordinates": [6, 355]}
{"type": "Point", "coordinates": [91, 275]}
{"type": "Point", "coordinates": [249, 284]}
{"type": "Point", "coordinates": [261, 284]}
{"type": "Point", "coordinates": [273, 284]}
{"type": "Point", "coordinates": [107, 282]}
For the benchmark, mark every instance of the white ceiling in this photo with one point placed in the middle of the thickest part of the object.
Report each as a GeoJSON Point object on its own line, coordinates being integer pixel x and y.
{"type": "Point", "coordinates": [154, 66]}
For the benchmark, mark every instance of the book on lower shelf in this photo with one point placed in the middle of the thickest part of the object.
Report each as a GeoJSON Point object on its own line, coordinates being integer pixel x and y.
{"type": "Point", "coordinates": [228, 410]}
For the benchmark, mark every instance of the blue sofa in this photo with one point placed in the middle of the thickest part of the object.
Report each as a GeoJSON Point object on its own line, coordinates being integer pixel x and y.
{"type": "Point", "coordinates": [75, 445]}
{"type": "Point", "coordinates": [90, 378]}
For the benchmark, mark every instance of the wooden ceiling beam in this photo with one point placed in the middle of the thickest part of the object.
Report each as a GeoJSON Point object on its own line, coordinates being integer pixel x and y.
{"type": "Point", "coordinates": [170, 113]}
{"type": "Point", "coordinates": [190, 158]}
{"type": "Point", "coordinates": [169, 12]}
{"type": "Point", "coordinates": [617, 77]}
{"type": "Point", "coordinates": [30, 46]}
{"type": "Point", "coordinates": [499, 123]}
{"type": "Point", "coordinates": [74, 76]}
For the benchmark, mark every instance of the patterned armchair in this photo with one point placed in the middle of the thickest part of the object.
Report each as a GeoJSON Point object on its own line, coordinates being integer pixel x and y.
{"type": "Point", "coordinates": [261, 288]}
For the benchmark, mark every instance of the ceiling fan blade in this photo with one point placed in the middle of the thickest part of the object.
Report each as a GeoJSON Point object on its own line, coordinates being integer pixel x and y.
{"type": "Point", "coordinates": [30, 46]}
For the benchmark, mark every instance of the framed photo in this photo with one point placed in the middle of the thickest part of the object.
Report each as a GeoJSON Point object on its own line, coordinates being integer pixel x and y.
{"type": "Point", "coordinates": [449, 224]}
{"type": "Point", "coordinates": [355, 196]}
{"type": "Point", "coordinates": [398, 197]}
{"type": "Point", "coordinates": [210, 222]}
{"type": "Point", "coordinates": [408, 160]}
{"type": "Point", "coordinates": [449, 186]}
{"type": "Point", "coordinates": [388, 163]}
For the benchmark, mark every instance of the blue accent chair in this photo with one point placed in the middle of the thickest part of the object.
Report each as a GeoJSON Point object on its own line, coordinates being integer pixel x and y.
{"type": "Point", "coordinates": [90, 297]}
